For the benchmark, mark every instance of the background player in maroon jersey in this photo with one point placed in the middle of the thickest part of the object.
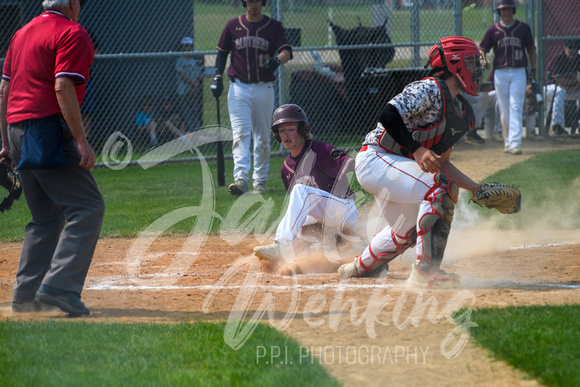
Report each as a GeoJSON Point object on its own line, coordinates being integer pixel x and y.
{"type": "Point", "coordinates": [258, 47]}
{"type": "Point", "coordinates": [314, 174]}
{"type": "Point", "coordinates": [510, 39]}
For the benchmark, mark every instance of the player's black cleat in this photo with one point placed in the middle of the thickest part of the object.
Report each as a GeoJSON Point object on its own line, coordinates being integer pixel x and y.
{"type": "Point", "coordinates": [473, 138]}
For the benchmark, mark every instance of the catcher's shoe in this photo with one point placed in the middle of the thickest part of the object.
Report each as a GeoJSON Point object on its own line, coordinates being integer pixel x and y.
{"type": "Point", "coordinates": [436, 279]}
{"type": "Point", "coordinates": [269, 252]}
{"type": "Point", "coordinates": [238, 188]}
{"type": "Point", "coordinates": [348, 270]}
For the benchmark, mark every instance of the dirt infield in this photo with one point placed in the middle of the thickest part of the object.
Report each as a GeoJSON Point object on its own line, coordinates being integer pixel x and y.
{"type": "Point", "coordinates": [371, 331]}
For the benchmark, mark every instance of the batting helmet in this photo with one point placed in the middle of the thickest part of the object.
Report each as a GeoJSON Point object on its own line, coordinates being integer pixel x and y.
{"type": "Point", "coordinates": [460, 56]}
{"type": "Point", "coordinates": [290, 113]}
{"type": "Point", "coordinates": [244, 3]}
{"type": "Point", "coordinates": [505, 4]}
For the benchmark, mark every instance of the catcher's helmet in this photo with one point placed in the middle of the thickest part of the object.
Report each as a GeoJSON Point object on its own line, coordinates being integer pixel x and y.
{"type": "Point", "coordinates": [244, 3]}
{"type": "Point", "coordinates": [290, 113]}
{"type": "Point", "coordinates": [461, 57]}
{"type": "Point", "coordinates": [505, 4]}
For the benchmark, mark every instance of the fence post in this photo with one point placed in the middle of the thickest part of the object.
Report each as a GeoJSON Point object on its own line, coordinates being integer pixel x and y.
{"type": "Point", "coordinates": [458, 16]}
{"type": "Point", "coordinates": [415, 30]}
{"type": "Point", "coordinates": [279, 84]}
{"type": "Point", "coordinates": [539, 34]}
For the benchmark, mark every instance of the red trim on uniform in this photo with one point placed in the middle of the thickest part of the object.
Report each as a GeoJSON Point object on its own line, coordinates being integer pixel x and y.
{"type": "Point", "coordinates": [394, 238]}
{"type": "Point", "coordinates": [376, 258]}
{"type": "Point", "coordinates": [364, 148]}
{"type": "Point", "coordinates": [449, 192]}
{"type": "Point", "coordinates": [399, 169]}
{"type": "Point", "coordinates": [364, 267]}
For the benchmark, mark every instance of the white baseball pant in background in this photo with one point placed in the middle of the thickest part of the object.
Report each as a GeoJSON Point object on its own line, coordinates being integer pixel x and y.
{"type": "Point", "coordinates": [251, 107]}
{"type": "Point", "coordinates": [510, 86]}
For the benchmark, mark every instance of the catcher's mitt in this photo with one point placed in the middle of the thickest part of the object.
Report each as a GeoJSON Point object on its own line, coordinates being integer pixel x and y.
{"type": "Point", "coordinates": [504, 198]}
{"type": "Point", "coordinates": [10, 181]}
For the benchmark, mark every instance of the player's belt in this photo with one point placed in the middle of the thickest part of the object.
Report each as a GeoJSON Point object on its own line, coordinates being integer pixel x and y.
{"type": "Point", "coordinates": [234, 80]}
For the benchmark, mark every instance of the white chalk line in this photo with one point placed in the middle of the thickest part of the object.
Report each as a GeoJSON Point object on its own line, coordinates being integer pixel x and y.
{"type": "Point", "coordinates": [473, 282]}
{"type": "Point", "coordinates": [339, 286]}
{"type": "Point", "coordinates": [237, 287]}
{"type": "Point", "coordinates": [535, 246]}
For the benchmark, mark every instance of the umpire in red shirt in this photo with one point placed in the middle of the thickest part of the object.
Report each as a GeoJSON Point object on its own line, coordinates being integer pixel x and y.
{"type": "Point", "coordinates": [43, 84]}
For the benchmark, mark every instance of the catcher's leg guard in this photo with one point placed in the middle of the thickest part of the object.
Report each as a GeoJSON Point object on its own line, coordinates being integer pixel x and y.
{"type": "Point", "coordinates": [435, 217]}
{"type": "Point", "coordinates": [384, 247]}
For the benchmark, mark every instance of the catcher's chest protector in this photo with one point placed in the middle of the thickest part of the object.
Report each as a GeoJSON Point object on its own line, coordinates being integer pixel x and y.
{"type": "Point", "coordinates": [443, 135]}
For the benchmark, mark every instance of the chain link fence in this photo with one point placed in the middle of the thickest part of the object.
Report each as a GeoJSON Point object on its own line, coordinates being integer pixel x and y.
{"type": "Point", "coordinates": [350, 58]}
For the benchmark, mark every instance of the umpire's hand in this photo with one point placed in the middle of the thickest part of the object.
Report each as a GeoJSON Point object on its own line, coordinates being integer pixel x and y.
{"type": "Point", "coordinates": [87, 155]}
{"type": "Point", "coordinates": [217, 87]}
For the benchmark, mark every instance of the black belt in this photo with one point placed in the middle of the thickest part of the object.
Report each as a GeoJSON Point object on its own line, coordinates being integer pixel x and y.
{"type": "Point", "coordinates": [234, 80]}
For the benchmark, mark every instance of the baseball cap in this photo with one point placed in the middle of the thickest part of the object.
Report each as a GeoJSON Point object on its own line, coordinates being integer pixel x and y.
{"type": "Point", "coordinates": [187, 41]}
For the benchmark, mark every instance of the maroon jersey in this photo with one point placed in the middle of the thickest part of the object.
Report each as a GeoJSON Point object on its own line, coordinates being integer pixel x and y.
{"type": "Point", "coordinates": [509, 44]}
{"type": "Point", "coordinates": [321, 166]}
{"type": "Point", "coordinates": [251, 45]}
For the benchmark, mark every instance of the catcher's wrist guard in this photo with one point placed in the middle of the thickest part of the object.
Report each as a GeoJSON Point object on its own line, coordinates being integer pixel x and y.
{"type": "Point", "coordinates": [503, 197]}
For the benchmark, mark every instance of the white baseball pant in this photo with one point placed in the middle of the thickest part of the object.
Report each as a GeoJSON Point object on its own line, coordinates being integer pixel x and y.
{"type": "Point", "coordinates": [400, 188]}
{"type": "Point", "coordinates": [251, 107]}
{"type": "Point", "coordinates": [558, 103]}
{"type": "Point", "coordinates": [308, 203]}
{"type": "Point", "coordinates": [510, 86]}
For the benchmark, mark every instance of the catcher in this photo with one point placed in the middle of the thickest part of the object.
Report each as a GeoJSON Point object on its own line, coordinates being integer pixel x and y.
{"type": "Point", "coordinates": [10, 181]}
{"type": "Point", "coordinates": [404, 163]}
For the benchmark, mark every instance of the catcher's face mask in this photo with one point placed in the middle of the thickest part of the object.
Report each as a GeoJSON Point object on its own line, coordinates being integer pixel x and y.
{"type": "Point", "coordinates": [473, 66]}
{"type": "Point", "coordinates": [461, 57]}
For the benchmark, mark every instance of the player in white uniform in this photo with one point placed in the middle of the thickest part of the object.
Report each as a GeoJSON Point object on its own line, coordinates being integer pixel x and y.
{"type": "Point", "coordinates": [405, 164]}
{"type": "Point", "coordinates": [510, 39]}
{"type": "Point", "coordinates": [258, 46]}
{"type": "Point", "coordinates": [314, 175]}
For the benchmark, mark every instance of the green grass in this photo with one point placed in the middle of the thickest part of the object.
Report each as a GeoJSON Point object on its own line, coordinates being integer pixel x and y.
{"type": "Point", "coordinates": [53, 353]}
{"type": "Point", "coordinates": [539, 340]}
{"type": "Point", "coordinates": [312, 19]}
{"type": "Point", "coordinates": [136, 197]}
{"type": "Point", "coordinates": [547, 181]}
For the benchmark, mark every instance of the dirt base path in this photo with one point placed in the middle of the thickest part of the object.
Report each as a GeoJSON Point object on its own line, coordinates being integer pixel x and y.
{"type": "Point", "coordinates": [371, 331]}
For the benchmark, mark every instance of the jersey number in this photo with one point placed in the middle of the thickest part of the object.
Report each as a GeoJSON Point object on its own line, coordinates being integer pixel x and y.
{"type": "Point", "coordinates": [262, 58]}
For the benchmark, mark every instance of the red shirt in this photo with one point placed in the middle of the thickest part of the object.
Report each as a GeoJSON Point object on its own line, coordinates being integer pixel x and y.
{"type": "Point", "coordinates": [49, 47]}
